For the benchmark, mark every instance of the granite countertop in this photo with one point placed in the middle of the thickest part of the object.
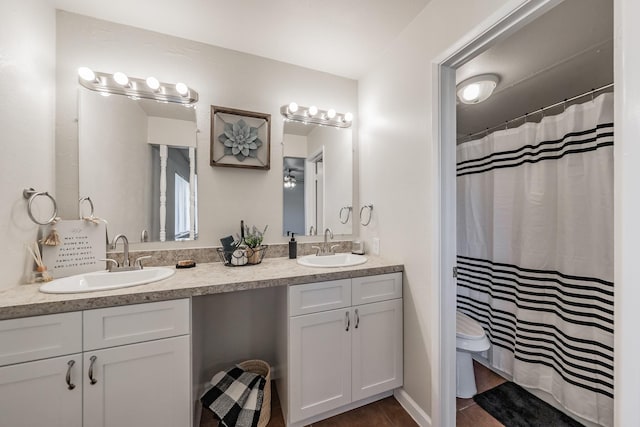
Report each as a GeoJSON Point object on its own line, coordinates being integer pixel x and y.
{"type": "Point", "coordinates": [204, 279]}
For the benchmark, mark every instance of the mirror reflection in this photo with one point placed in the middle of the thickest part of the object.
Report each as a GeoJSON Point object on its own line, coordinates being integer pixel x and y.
{"type": "Point", "coordinates": [317, 179]}
{"type": "Point", "coordinates": [137, 163]}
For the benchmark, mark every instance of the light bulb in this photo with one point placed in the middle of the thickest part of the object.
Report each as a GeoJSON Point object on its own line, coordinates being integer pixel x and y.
{"type": "Point", "coordinates": [348, 117]}
{"type": "Point", "coordinates": [87, 74]}
{"type": "Point", "coordinates": [182, 88]}
{"type": "Point", "coordinates": [313, 110]}
{"type": "Point", "coordinates": [153, 83]}
{"type": "Point", "coordinates": [331, 113]}
{"type": "Point", "coordinates": [121, 78]}
{"type": "Point", "coordinates": [471, 92]}
{"type": "Point", "coordinates": [293, 107]}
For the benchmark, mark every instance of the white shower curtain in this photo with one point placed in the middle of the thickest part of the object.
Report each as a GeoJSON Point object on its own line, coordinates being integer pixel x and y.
{"type": "Point", "coordinates": [535, 253]}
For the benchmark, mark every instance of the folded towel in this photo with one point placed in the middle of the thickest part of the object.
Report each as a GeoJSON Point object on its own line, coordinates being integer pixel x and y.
{"type": "Point", "coordinates": [235, 397]}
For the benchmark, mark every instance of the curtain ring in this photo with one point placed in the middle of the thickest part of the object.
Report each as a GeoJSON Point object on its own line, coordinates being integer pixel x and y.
{"type": "Point", "coordinates": [348, 209]}
{"type": "Point", "coordinates": [31, 195]}
{"type": "Point", "coordinates": [369, 207]}
{"type": "Point", "coordinates": [80, 201]}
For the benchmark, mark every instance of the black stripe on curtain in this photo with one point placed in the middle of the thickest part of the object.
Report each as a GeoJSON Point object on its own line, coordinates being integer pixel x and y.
{"type": "Point", "coordinates": [571, 143]}
{"type": "Point", "coordinates": [575, 302]}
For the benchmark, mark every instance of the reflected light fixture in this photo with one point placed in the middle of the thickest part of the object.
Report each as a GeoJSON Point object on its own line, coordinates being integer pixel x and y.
{"type": "Point", "coordinates": [289, 181]}
{"type": "Point", "coordinates": [477, 89]}
{"type": "Point", "coordinates": [135, 88]}
{"type": "Point", "coordinates": [313, 115]}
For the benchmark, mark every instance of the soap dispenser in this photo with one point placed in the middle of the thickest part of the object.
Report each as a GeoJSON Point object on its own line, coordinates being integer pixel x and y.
{"type": "Point", "coordinates": [293, 247]}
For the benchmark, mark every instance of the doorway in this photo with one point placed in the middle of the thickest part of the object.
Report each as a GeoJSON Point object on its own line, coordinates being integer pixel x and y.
{"type": "Point", "coordinates": [498, 27]}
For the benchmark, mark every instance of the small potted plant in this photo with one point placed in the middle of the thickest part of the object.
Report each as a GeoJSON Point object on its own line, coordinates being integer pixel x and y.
{"type": "Point", "coordinates": [253, 241]}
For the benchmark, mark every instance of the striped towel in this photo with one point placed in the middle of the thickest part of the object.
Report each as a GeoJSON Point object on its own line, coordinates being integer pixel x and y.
{"type": "Point", "coordinates": [235, 397]}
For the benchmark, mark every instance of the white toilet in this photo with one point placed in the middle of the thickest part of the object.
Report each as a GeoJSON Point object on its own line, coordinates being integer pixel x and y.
{"type": "Point", "coordinates": [470, 338]}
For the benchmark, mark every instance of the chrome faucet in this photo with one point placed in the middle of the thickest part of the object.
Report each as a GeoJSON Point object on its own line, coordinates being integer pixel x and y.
{"type": "Point", "coordinates": [125, 241]}
{"type": "Point", "coordinates": [126, 263]}
{"type": "Point", "coordinates": [325, 249]}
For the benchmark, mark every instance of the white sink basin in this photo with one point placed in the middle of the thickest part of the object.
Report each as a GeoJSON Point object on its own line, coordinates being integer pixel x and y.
{"type": "Point", "coordinates": [104, 280]}
{"type": "Point", "coordinates": [336, 260]}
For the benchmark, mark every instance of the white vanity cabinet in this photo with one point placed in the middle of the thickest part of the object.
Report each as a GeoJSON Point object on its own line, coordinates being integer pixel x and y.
{"type": "Point", "coordinates": [345, 344]}
{"type": "Point", "coordinates": [132, 368]}
{"type": "Point", "coordinates": [40, 371]}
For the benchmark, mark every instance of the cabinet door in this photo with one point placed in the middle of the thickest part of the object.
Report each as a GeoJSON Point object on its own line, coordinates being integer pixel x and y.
{"type": "Point", "coordinates": [37, 394]}
{"type": "Point", "coordinates": [320, 362]}
{"type": "Point", "coordinates": [377, 348]}
{"type": "Point", "coordinates": [146, 384]}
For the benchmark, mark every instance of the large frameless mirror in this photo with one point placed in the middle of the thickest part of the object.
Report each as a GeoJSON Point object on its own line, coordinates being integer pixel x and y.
{"type": "Point", "coordinates": [137, 163]}
{"type": "Point", "coordinates": [317, 179]}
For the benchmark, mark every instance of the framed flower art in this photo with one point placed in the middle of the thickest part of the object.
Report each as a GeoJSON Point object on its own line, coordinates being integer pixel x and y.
{"type": "Point", "coordinates": [240, 139]}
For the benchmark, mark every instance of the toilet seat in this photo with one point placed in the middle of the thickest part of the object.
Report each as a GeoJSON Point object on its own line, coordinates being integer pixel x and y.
{"type": "Point", "coordinates": [468, 328]}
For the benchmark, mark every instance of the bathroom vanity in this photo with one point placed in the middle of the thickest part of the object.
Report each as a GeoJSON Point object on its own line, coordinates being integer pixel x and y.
{"type": "Point", "coordinates": [141, 355]}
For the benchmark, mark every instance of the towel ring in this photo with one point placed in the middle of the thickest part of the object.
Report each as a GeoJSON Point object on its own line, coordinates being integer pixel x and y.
{"type": "Point", "coordinates": [348, 209]}
{"type": "Point", "coordinates": [369, 207]}
{"type": "Point", "coordinates": [31, 195]}
{"type": "Point", "coordinates": [80, 202]}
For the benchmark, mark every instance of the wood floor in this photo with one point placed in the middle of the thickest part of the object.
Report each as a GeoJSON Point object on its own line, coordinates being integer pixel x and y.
{"type": "Point", "coordinates": [388, 412]}
{"type": "Point", "coordinates": [469, 414]}
{"type": "Point", "coordinates": [383, 413]}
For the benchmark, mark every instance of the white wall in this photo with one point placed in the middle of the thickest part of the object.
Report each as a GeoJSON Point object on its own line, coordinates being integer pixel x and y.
{"type": "Point", "coordinates": [396, 147]}
{"type": "Point", "coordinates": [27, 90]}
{"type": "Point", "coordinates": [222, 77]}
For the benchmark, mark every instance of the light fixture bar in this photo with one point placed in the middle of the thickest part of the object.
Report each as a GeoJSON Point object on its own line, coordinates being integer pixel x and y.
{"type": "Point", "coordinates": [313, 115]}
{"type": "Point", "coordinates": [105, 83]}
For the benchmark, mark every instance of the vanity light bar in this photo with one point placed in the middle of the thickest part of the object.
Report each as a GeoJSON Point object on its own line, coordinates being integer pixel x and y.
{"type": "Point", "coordinates": [312, 115]}
{"type": "Point", "coordinates": [135, 88]}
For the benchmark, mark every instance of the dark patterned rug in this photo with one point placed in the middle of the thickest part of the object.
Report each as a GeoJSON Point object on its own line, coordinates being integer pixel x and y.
{"type": "Point", "coordinates": [513, 406]}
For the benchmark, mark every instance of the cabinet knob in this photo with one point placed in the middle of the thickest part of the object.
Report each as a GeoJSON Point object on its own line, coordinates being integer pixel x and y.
{"type": "Point", "coordinates": [348, 319]}
{"type": "Point", "coordinates": [357, 319]}
{"type": "Point", "coordinates": [92, 380]}
{"type": "Point", "coordinates": [70, 364]}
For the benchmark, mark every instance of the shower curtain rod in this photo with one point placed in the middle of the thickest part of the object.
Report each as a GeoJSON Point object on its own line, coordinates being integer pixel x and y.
{"type": "Point", "coordinates": [540, 110]}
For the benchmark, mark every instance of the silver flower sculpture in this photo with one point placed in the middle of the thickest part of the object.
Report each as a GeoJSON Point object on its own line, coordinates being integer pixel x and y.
{"type": "Point", "coordinates": [240, 140]}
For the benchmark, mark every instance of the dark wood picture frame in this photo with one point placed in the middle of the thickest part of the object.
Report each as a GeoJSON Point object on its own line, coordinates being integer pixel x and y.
{"type": "Point", "coordinates": [261, 122]}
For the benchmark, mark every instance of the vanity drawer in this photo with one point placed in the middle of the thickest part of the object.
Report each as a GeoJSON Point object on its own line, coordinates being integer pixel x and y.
{"type": "Point", "coordinates": [321, 296]}
{"type": "Point", "coordinates": [39, 337]}
{"type": "Point", "coordinates": [376, 288]}
{"type": "Point", "coordinates": [113, 326]}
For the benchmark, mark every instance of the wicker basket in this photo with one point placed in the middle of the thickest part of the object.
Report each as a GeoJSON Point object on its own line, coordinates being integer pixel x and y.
{"type": "Point", "coordinates": [261, 368]}
{"type": "Point", "coordinates": [241, 256]}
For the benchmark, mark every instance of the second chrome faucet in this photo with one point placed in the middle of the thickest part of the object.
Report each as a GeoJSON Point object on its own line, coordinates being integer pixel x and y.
{"type": "Point", "coordinates": [326, 249]}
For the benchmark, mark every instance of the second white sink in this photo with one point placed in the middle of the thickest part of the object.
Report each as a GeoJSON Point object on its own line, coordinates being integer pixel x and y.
{"type": "Point", "coordinates": [105, 280]}
{"type": "Point", "coordinates": [335, 260]}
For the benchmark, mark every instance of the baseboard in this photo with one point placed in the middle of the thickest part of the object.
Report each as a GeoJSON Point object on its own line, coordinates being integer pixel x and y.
{"type": "Point", "coordinates": [412, 408]}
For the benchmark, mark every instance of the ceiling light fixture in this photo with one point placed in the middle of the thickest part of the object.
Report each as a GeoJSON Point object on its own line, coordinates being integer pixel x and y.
{"type": "Point", "coordinates": [312, 115]}
{"type": "Point", "coordinates": [153, 83]}
{"type": "Point", "coordinates": [134, 88]}
{"type": "Point", "coordinates": [477, 89]}
{"type": "Point", "coordinates": [121, 78]}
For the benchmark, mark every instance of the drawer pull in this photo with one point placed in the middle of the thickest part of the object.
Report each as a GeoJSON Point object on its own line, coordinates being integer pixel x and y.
{"type": "Point", "coordinates": [92, 380]}
{"type": "Point", "coordinates": [348, 321]}
{"type": "Point", "coordinates": [70, 364]}
{"type": "Point", "coordinates": [357, 319]}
